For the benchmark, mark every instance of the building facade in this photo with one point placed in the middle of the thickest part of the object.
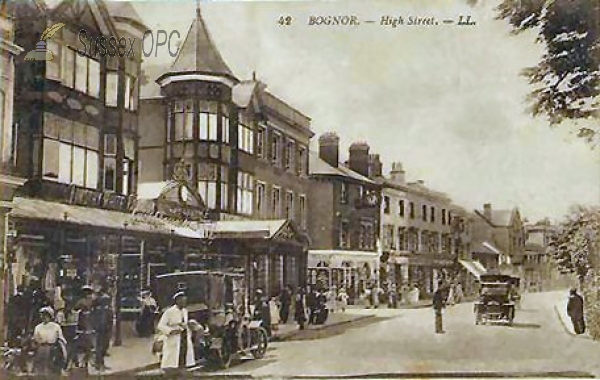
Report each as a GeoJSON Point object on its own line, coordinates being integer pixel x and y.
{"type": "Point", "coordinates": [417, 233]}
{"type": "Point", "coordinates": [539, 272]}
{"type": "Point", "coordinates": [241, 149]}
{"type": "Point", "coordinates": [344, 219]}
{"type": "Point", "coordinates": [9, 181]}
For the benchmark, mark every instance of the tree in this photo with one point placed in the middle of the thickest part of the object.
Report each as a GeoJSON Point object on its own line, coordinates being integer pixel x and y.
{"type": "Point", "coordinates": [567, 79]}
{"type": "Point", "coordinates": [575, 248]}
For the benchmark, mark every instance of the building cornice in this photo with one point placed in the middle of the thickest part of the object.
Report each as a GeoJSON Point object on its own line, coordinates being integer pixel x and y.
{"type": "Point", "coordinates": [168, 78]}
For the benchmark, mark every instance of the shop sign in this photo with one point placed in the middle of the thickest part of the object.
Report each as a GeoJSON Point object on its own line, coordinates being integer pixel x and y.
{"type": "Point", "coordinates": [104, 200]}
{"type": "Point", "coordinates": [177, 211]}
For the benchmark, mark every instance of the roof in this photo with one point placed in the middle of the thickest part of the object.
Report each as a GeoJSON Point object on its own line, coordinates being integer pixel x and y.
{"type": "Point", "coordinates": [321, 168]}
{"type": "Point", "coordinates": [500, 218]}
{"type": "Point", "coordinates": [267, 227]}
{"type": "Point", "coordinates": [198, 52]}
{"type": "Point", "coordinates": [124, 9]}
{"type": "Point", "coordinates": [486, 247]}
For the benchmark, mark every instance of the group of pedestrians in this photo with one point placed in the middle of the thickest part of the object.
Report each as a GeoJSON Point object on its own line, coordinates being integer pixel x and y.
{"type": "Point", "coordinates": [61, 333]}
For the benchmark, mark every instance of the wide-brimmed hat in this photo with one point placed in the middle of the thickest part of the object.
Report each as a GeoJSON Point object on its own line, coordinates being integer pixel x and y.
{"type": "Point", "coordinates": [48, 311]}
{"type": "Point", "coordinates": [87, 288]}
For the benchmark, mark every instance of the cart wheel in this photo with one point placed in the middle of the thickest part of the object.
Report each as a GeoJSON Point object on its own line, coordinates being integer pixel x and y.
{"type": "Point", "coordinates": [261, 344]}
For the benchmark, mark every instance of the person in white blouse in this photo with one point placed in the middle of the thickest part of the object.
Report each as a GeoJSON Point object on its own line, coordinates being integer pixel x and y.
{"type": "Point", "coordinates": [50, 345]}
{"type": "Point", "coordinates": [177, 351]}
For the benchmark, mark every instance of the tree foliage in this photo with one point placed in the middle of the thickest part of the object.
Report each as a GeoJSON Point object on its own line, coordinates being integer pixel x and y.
{"type": "Point", "coordinates": [574, 244]}
{"type": "Point", "coordinates": [567, 79]}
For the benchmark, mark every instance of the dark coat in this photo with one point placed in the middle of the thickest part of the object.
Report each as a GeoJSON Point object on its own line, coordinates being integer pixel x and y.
{"type": "Point", "coordinates": [575, 306]}
{"type": "Point", "coordinates": [439, 298]}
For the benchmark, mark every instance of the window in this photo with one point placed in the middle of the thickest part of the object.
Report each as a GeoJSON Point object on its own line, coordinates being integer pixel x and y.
{"type": "Point", "coordinates": [444, 216]}
{"type": "Point", "coordinates": [276, 202]}
{"type": "Point", "coordinates": [260, 198]}
{"type": "Point", "coordinates": [302, 165]}
{"type": "Point", "coordinates": [245, 193]}
{"type": "Point", "coordinates": [87, 74]}
{"type": "Point", "coordinates": [53, 66]}
{"type": "Point", "coordinates": [401, 208]}
{"type": "Point", "coordinates": [449, 218]}
{"type": "Point", "coordinates": [207, 127]}
{"type": "Point", "coordinates": [344, 234]}
{"type": "Point", "coordinates": [289, 205]}
{"type": "Point", "coordinates": [260, 142]}
{"type": "Point", "coordinates": [207, 183]}
{"type": "Point", "coordinates": [402, 239]}
{"type": "Point", "coordinates": [302, 210]}
{"type": "Point", "coordinates": [412, 210]}
{"type": "Point", "coordinates": [388, 237]}
{"type": "Point", "coordinates": [424, 213]}
{"type": "Point", "coordinates": [184, 120]}
{"type": "Point", "coordinates": [130, 98]}
{"type": "Point", "coordinates": [245, 139]}
{"type": "Point", "coordinates": [386, 204]}
{"type": "Point", "coordinates": [344, 192]}
{"type": "Point", "coordinates": [225, 129]}
{"type": "Point", "coordinates": [67, 70]}
{"type": "Point", "coordinates": [70, 152]}
{"type": "Point", "coordinates": [290, 150]}
{"type": "Point", "coordinates": [112, 88]}
{"type": "Point", "coordinates": [432, 216]}
{"type": "Point", "coordinates": [276, 149]}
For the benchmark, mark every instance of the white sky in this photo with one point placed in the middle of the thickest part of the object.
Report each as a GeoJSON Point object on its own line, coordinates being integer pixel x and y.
{"type": "Point", "coordinates": [446, 101]}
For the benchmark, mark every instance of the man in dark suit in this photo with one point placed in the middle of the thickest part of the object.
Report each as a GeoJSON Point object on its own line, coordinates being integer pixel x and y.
{"type": "Point", "coordinates": [575, 311]}
{"type": "Point", "coordinates": [439, 302]}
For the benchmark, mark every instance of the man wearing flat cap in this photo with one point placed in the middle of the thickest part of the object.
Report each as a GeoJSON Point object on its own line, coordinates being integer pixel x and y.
{"type": "Point", "coordinates": [178, 351]}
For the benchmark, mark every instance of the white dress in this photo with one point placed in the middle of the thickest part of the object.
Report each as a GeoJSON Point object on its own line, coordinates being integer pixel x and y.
{"type": "Point", "coordinates": [172, 320]}
{"type": "Point", "coordinates": [274, 311]}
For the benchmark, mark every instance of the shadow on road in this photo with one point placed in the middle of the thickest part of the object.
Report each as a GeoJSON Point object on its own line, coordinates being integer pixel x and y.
{"type": "Point", "coordinates": [331, 331]}
{"type": "Point", "coordinates": [526, 326]}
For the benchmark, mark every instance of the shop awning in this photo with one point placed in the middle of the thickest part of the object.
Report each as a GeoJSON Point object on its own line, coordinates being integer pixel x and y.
{"type": "Point", "coordinates": [37, 209]}
{"type": "Point", "coordinates": [474, 267]}
{"type": "Point", "coordinates": [335, 258]}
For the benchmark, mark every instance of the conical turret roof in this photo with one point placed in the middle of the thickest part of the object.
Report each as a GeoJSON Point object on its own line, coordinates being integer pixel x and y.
{"type": "Point", "coordinates": [198, 52]}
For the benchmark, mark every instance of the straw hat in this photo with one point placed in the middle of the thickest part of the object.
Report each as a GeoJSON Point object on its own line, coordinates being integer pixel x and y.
{"type": "Point", "coordinates": [48, 311]}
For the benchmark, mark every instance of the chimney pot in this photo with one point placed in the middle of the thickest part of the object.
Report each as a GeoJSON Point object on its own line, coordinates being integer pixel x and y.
{"type": "Point", "coordinates": [359, 158]}
{"type": "Point", "coordinates": [329, 150]}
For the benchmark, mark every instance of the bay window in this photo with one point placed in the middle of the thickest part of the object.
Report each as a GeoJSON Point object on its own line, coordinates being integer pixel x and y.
{"type": "Point", "coordinates": [245, 193]}
{"type": "Point", "coordinates": [225, 128]}
{"type": "Point", "coordinates": [70, 152]}
{"type": "Point", "coordinates": [207, 183]}
{"type": "Point", "coordinates": [224, 188]}
{"type": "Point", "coordinates": [130, 92]}
{"type": "Point", "coordinates": [110, 162]}
{"type": "Point", "coordinates": [184, 120]}
{"type": "Point", "coordinates": [208, 126]}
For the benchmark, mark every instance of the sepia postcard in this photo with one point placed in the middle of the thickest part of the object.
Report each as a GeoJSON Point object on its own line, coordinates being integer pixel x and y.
{"type": "Point", "coordinates": [341, 189]}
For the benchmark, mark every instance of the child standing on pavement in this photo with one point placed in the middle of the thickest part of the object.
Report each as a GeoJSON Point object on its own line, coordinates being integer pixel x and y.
{"type": "Point", "coordinates": [274, 310]}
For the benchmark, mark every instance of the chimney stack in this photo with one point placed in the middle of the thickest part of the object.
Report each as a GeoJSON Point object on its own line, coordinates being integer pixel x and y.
{"type": "Point", "coordinates": [359, 158]}
{"type": "Point", "coordinates": [397, 174]}
{"type": "Point", "coordinates": [375, 166]}
{"type": "Point", "coordinates": [487, 211]}
{"type": "Point", "coordinates": [329, 148]}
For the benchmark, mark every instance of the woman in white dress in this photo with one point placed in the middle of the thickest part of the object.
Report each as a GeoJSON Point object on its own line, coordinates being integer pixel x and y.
{"type": "Point", "coordinates": [50, 345]}
{"type": "Point", "coordinates": [274, 311]}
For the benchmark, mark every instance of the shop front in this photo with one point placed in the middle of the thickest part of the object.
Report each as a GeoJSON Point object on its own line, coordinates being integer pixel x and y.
{"type": "Point", "coordinates": [426, 271]}
{"type": "Point", "coordinates": [354, 271]}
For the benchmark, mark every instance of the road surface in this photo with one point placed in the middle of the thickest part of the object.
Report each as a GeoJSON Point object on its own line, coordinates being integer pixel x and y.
{"type": "Point", "coordinates": [538, 344]}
